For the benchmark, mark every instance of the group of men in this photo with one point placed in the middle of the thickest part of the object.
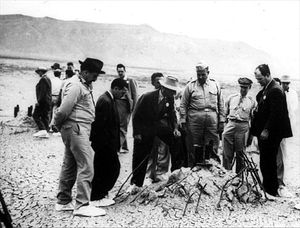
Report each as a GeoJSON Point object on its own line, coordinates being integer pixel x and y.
{"type": "Point", "coordinates": [94, 134]}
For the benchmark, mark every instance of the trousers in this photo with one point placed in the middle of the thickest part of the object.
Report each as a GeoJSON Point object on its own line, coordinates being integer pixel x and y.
{"type": "Point", "coordinates": [77, 164]}
{"type": "Point", "coordinates": [41, 116]}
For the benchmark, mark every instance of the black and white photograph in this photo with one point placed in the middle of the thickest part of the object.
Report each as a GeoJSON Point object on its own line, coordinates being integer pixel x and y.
{"type": "Point", "coordinates": [149, 113]}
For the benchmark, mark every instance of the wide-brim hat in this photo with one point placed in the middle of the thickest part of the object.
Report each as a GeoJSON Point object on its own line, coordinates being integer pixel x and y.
{"type": "Point", "coordinates": [41, 69]}
{"type": "Point", "coordinates": [92, 65]}
{"type": "Point", "coordinates": [170, 82]}
{"type": "Point", "coordinates": [285, 78]}
{"type": "Point", "coordinates": [55, 66]}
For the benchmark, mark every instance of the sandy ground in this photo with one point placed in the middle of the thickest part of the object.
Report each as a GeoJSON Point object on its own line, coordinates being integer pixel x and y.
{"type": "Point", "coordinates": [30, 169]}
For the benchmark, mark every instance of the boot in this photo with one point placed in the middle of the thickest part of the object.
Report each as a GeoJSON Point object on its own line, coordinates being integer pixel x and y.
{"type": "Point", "coordinates": [199, 155]}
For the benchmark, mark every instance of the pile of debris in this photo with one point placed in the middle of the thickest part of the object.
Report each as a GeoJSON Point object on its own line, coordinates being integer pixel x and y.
{"type": "Point", "coordinates": [19, 124]}
{"type": "Point", "coordinates": [208, 185]}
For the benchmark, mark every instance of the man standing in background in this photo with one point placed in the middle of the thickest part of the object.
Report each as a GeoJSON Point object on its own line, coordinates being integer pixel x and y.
{"type": "Point", "coordinates": [43, 106]}
{"type": "Point", "coordinates": [125, 106]}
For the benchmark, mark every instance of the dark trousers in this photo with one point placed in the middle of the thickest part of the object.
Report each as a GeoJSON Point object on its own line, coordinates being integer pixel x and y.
{"type": "Point", "coordinates": [41, 116]}
{"type": "Point", "coordinates": [142, 149]}
{"type": "Point", "coordinates": [106, 170]}
{"type": "Point", "coordinates": [268, 154]}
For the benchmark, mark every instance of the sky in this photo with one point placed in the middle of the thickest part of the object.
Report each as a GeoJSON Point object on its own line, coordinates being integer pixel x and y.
{"type": "Point", "coordinates": [271, 26]}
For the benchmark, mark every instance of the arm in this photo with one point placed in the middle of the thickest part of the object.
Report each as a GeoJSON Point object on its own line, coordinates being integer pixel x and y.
{"type": "Point", "coordinates": [184, 104]}
{"type": "Point", "coordinates": [134, 94]}
{"type": "Point", "coordinates": [137, 117]}
{"type": "Point", "coordinates": [70, 97]}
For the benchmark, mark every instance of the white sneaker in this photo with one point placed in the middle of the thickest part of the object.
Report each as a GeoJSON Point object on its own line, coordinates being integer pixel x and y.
{"type": "Point", "coordinates": [89, 211]}
{"type": "Point", "coordinates": [56, 134]}
{"type": "Point", "coordinates": [66, 207]}
{"type": "Point", "coordinates": [104, 202]}
{"type": "Point", "coordinates": [284, 192]}
{"type": "Point", "coordinates": [40, 133]}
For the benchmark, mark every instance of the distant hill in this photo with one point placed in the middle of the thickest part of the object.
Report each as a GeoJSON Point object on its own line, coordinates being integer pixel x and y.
{"type": "Point", "coordinates": [133, 45]}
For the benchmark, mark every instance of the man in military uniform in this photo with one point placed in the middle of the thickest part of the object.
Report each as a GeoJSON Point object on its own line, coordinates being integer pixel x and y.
{"type": "Point", "coordinates": [202, 114]}
{"type": "Point", "coordinates": [238, 110]}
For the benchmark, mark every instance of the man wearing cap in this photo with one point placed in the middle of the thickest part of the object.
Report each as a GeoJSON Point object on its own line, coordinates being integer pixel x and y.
{"type": "Point", "coordinates": [74, 118]}
{"type": "Point", "coordinates": [238, 110]}
{"type": "Point", "coordinates": [125, 106]}
{"type": "Point", "coordinates": [56, 83]}
{"type": "Point", "coordinates": [270, 125]}
{"type": "Point", "coordinates": [42, 108]}
{"type": "Point", "coordinates": [283, 152]}
{"type": "Point", "coordinates": [202, 115]}
{"type": "Point", "coordinates": [154, 115]}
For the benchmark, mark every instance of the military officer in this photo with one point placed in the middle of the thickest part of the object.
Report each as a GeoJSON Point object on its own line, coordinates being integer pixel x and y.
{"type": "Point", "coordinates": [238, 110]}
{"type": "Point", "coordinates": [202, 114]}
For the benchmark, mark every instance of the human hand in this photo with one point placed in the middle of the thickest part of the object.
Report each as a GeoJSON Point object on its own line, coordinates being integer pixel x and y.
{"type": "Point", "coordinates": [138, 138]}
{"type": "Point", "coordinates": [264, 134]}
{"type": "Point", "coordinates": [177, 133]}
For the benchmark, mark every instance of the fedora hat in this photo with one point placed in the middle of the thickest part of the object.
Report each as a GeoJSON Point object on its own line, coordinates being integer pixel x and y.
{"type": "Point", "coordinates": [285, 79]}
{"type": "Point", "coordinates": [92, 65]}
{"type": "Point", "coordinates": [41, 69]}
{"type": "Point", "coordinates": [169, 82]}
{"type": "Point", "coordinates": [55, 66]}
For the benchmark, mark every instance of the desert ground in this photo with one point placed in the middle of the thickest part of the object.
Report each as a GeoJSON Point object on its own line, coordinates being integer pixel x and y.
{"type": "Point", "coordinates": [30, 169]}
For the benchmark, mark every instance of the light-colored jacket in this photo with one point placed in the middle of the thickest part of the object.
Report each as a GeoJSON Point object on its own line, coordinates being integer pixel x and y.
{"type": "Point", "coordinates": [77, 103]}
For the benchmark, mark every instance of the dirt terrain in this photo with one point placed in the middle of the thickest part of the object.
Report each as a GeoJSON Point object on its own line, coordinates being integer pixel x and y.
{"type": "Point", "coordinates": [30, 168]}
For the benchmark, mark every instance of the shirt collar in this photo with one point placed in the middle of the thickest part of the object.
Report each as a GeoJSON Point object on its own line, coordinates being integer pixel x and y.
{"type": "Point", "coordinates": [110, 94]}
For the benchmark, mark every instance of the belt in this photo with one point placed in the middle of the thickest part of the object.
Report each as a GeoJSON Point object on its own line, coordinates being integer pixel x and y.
{"type": "Point", "coordinates": [239, 121]}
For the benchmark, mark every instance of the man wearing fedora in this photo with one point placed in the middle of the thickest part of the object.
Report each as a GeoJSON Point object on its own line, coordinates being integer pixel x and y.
{"type": "Point", "coordinates": [154, 116]}
{"type": "Point", "coordinates": [74, 118]}
{"type": "Point", "coordinates": [239, 108]}
{"type": "Point", "coordinates": [43, 106]}
{"type": "Point", "coordinates": [202, 116]}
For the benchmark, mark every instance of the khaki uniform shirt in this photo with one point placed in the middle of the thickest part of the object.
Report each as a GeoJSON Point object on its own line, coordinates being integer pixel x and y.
{"type": "Point", "coordinates": [239, 108]}
{"type": "Point", "coordinates": [200, 98]}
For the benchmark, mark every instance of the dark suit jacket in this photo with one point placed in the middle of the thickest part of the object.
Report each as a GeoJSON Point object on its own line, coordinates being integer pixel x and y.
{"type": "Point", "coordinates": [271, 113]}
{"type": "Point", "coordinates": [146, 115]}
{"type": "Point", "coordinates": [105, 130]}
{"type": "Point", "coordinates": [43, 91]}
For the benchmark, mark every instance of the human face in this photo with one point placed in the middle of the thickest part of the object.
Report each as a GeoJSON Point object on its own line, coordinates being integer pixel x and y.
{"type": "Point", "coordinates": [168, 92]}
{"type": "Point", "coordinates": [244, 90]}
{"type": "Point", "coordinates": [262, 80]}
{"type": "Point", "coordinates": [118, 93]}
{"type": "Point", "coordinates": [285, 86]}
{"type": "Point", "coordinates": [202, 75]}
{"type": "Point", "coordinates": [89, 77]}
{"type": "Point", "coordinates": [121, 72]}
{"type": "Point", "coordinates": [155, 82]}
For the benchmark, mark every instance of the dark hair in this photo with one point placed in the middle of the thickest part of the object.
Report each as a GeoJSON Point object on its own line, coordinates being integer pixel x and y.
{"type": "Point", "coordinates": [264, 69]}
{"type": "Point", "coordinates": [69, 73]}
{"type": "Point", "coordinates": [277, 80]}
{"type": "Point", "coordinates": [120, 65]}
{"type": "Point", "coordinates": [70, 64]}
{"type": "Point", "coordinates": [156, 75]}
{"type": "Point", "coordinates": [120, 83]}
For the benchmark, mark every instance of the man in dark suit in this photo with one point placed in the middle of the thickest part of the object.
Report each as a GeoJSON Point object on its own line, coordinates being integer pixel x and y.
{"type": "Point", "coordinates": [125, 105]}
{"type": "Point", "coordinates": [105, 138]}
{"type": "Point", "coordinates": [270, 125]}
{"type": "Point", "coordinates": [154, 115]}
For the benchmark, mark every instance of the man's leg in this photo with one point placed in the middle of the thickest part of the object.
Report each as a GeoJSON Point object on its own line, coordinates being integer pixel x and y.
{"type": "Point", "coordinates": [124, 116]}
{"type": "Point", "coordinates": [228, 148]}
{"type": "Point", "coordinates": [268, 154]}
{"type": "Point", "coordinates": [84, 156]}
{"type": "Point", "coordinates": [141, 149]}
{"type": "Point", "coordinates": [37, 117]}
{"type": "Point", "coordinates": [68, 172]}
